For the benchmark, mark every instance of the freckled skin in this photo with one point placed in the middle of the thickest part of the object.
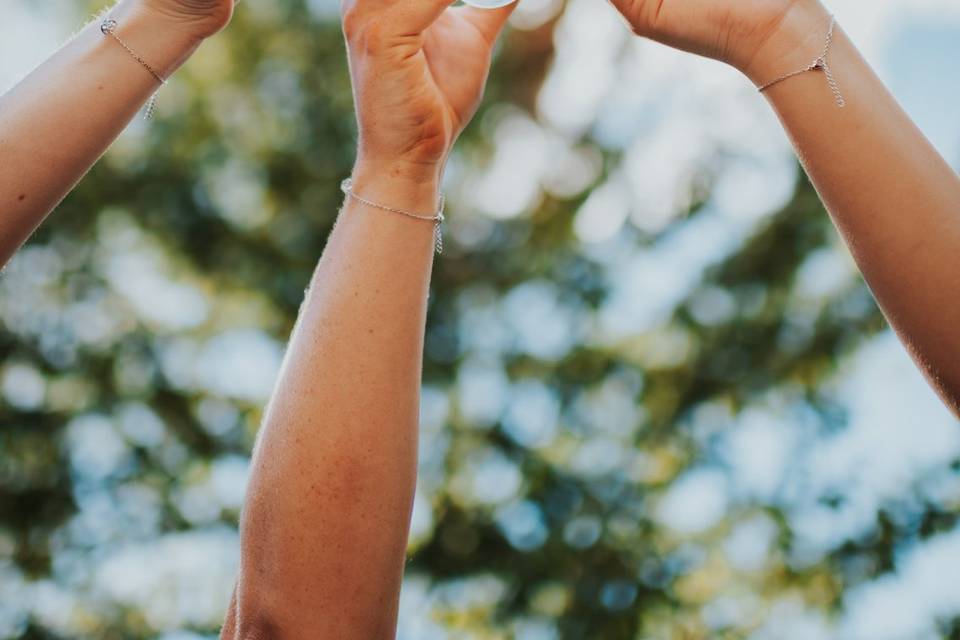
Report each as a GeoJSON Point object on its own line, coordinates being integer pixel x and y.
{"type": "Point", "coordinates": [324, 529]}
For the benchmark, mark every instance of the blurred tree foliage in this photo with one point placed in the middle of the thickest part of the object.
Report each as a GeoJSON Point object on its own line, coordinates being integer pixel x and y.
{"type": "Point", "coordinates": [268, 103]}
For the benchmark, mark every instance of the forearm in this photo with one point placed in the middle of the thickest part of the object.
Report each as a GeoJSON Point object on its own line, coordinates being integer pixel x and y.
{"type": "Point", "coordinates": [893, 198]}
{"type": "Point", "coordinates": [62, 117]}
{"type": "Point", "coordinates": [325, 526]}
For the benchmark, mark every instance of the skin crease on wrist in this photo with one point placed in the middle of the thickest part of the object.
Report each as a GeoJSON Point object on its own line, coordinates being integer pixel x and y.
{"type": "Point", "coordinates": [204, 18]}
{"type": "Point", "coordinates": [797, 38]}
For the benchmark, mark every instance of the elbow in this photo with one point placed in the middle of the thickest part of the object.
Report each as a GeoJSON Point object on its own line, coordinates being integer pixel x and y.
{"type": "Point", "coordinates": [248, 619]}
{"type": "Point", "coordinates": [251, 626]}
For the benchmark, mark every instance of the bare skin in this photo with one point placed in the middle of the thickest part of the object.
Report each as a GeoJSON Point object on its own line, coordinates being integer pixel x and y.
{"type": "Point", "coordinates": [325, 525]}
{"type": "Point", "coordinates": [324, 528]}
{"type": "Point", "coordinates": [48, 141]}
{"type": "Point", "coordinates": [895, 201]}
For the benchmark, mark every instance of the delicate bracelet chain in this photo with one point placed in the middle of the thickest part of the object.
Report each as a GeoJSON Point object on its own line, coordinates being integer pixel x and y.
{"type": "Point", "coordinates": [820, 62]}
{"type": "Point", "coordinates": [109, 28]}
{"type": "Point", "coordinates": [347, 187]}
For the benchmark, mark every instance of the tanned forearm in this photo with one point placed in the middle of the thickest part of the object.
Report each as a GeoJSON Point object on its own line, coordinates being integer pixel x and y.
{"type": "Point", "coordinates": [61, 118]}
{"type": "Point", "coordinates": [894, 199]}
{"type": "Point", "coordinates": [335, 470]}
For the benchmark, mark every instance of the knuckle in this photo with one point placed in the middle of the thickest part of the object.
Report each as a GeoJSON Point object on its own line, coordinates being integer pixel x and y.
{"type": "Point", "coordinates": [352, 22]}
{"type": "Point", "coordinates": [373, 39]}
{"type": "Point", "coordinates": [363, 34]}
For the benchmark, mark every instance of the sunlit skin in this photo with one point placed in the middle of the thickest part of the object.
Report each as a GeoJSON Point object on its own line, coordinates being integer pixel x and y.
{"type": "Point", "coordinates": [324, 528]}
{"type": "Point", "coordinates": [61, 118]}
{"type": "Point", "coordinates": [894, 199]}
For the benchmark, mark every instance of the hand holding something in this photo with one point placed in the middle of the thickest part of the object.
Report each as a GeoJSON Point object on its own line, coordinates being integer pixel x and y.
{"type": "Point", "coordinates": [418, 69]}
{"type": "Point", "coordinates": [758, 37]}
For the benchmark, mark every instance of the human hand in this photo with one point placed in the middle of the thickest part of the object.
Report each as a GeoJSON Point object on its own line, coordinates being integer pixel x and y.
{"type": "Point", "coordinates": [759, 37]}
{"type": "Point", "coordinates": [418, 69]}
{"type": "Point", "coordinates": [200, 18]}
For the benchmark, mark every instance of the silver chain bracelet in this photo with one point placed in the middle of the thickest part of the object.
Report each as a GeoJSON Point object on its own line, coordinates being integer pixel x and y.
{"type": "Point", "coordinates": [437, 219]}
{"type": "Point", "coordinates": [820, 62]}
{"type": "Point", "coordinates": [109, 28]}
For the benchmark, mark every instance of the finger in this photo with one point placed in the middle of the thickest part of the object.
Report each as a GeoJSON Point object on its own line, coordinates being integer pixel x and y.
{"type": "Point", "coordinates": [401, 17]}
{"type": "Point", "coordinates": [490, 22]}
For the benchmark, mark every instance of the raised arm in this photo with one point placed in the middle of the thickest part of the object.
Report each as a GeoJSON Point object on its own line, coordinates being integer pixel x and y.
{"type": "Point", "coordinates": [61, 118]}
{"type": "Point", "coordinates": [894, 199]}
{"type": "Point", "coordinates": [324, 529]}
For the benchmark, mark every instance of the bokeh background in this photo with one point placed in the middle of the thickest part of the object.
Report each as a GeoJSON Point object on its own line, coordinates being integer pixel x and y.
{"type": "Point", "coordinates": [659, 402]}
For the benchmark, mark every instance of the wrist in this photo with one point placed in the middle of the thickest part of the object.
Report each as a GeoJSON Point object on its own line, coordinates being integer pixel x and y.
{"type": "Point", "coordinates": [399, 170]}
{"type": "Point", "coordinates": [793, 44]}
{"type": "Point", "coordinates": [412, 187]}
{"type": "Point", "coordinates": [163, 41]}
{"type": "Point", "coordinates": [194, 26]}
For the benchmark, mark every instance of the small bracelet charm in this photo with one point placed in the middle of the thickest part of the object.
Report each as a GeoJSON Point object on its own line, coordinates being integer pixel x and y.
{"type": "Point", "coordinates": [437, 219]}
{"type": "Point", "coordinates": [820, 62]}
{"type": "Point", "coordinates": [109, 28]}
